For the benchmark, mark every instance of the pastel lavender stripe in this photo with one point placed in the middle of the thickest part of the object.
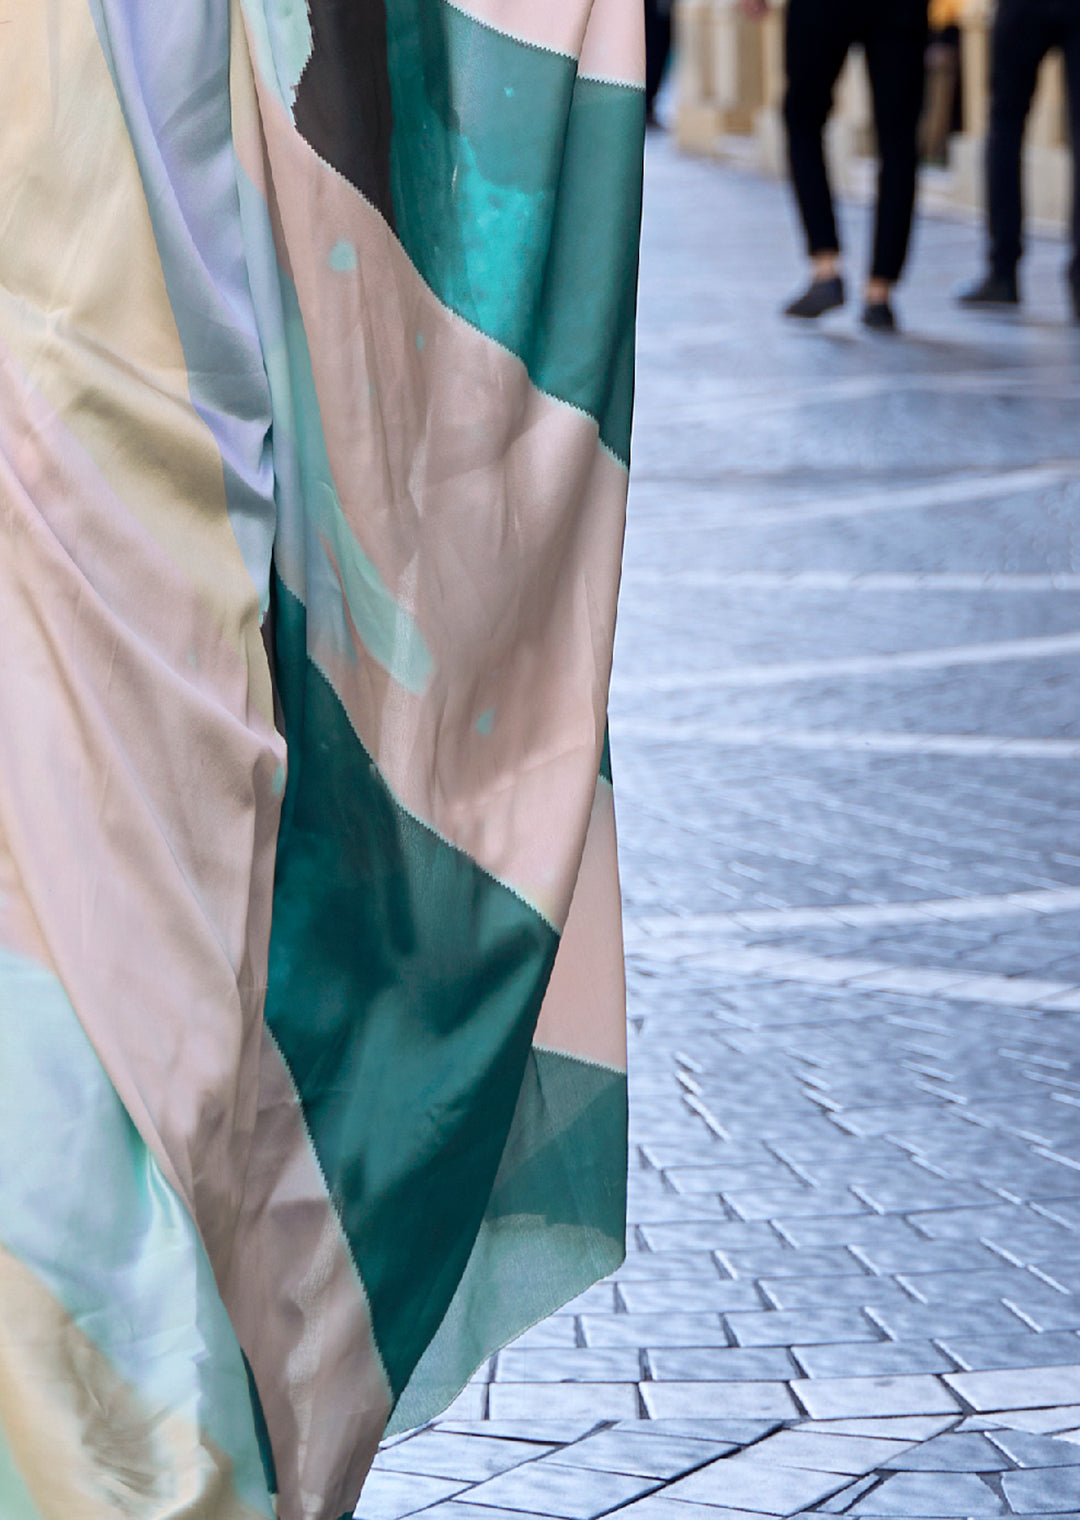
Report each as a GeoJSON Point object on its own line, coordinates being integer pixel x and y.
{"type": "Point", "coordinates": [170, 65]}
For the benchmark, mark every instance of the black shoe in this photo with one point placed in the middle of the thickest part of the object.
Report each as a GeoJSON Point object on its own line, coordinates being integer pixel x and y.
{"type": "Point", "coordinates": [819, 297]}
{"type": "Point", "coordinates": [992, 290]}
{"type": "Point", "coordinates": [879, 317]}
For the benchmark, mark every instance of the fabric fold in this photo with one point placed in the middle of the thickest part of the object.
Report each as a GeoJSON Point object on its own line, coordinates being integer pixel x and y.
{"type": "Point", "coordinates": [316, 363]}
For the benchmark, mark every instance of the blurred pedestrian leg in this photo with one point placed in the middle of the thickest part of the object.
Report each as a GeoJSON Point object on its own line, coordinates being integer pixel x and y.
{"type": "Point", "coordinates": [1024, 32]}
{"type": "Point", "coordinates": [819, 34]}
{"type": "Point", "coordinates": [939, 118]}
{"type": "Point", "coordinates": [657, 50]}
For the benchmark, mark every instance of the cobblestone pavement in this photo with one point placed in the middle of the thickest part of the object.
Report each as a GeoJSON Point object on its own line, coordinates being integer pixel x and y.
{"type": "Point", "coordinates": [846, 723]}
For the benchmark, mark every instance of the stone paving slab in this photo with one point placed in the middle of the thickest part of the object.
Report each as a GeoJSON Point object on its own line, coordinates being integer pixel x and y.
{"type": "Point", "coordinates": [644, 1454]}
{"type": "Point", "coordinates": [968, 1452]}
{"type": "Point", "coordinates": [752, 1481]}
{"type": "Point", "coordinates": [932, 1494]}
{"type": "Point", "coordinates": [441, 1453]}
{"type": "Point", "coordinates": [657, 1507]}
{"type": "Point", "coordinates": [598, 1401]}
{"type": "Point", "coordinates": [730, 1400]}
{"type": "Point", "coordinates": [992, 1352]}
{"type": "Point", "coordinates": [845, 723]}
{"type": "Point", "coordinates": [1032, 1387]}
{"type": "Point", "coordinates": [831, 1453]}
{"type": "Point", "coordinates": [754, 1364]}
{"type": "Point", "coordinates": [1050, 1488]}
{"type": "Point", "coordinates": [831, 1398]}
{"type": "Point", "coordinates": [1036, 1451]}
{"type": "Point", "coordinates": [390, 1495]}
{"type": "Point", "coordinates": [873, 1360]}
{"type": "Point", "coordinates": [611, 1365]}
{"type": "Point", "coordinates": [571, 1493]}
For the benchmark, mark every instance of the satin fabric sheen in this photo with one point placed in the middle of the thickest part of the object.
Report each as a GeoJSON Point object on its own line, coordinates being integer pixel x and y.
{"type": "Point", "coordinates": [316, 372]}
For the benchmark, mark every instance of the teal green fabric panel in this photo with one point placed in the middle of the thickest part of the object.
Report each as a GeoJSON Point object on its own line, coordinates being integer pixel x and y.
{"type": "Point", "coordinates": [262, 1430]}
{"type": "Point", "coordinates": [15, 1500]}
{"type": "Point", "coordinates": [605, 758]}
{"type": "Point", "coordinates": [556, 1223]}
{"type": "Point", "coordinates": [479, 123]}
{"type": "Point", "coordinates": [517, 194]}
{"type": "Point", "coordinates": [89, 1211]}
{"type": "Point", "coordinates": [405, 983]}
{"type": "Point", "coordinates": [557, 1166]}
{"type": "Point", "coordinates": [584, 344]}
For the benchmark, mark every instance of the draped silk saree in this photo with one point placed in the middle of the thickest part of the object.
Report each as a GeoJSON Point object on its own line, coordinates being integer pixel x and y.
{"type": "Point", "coordinates": [316, 360]}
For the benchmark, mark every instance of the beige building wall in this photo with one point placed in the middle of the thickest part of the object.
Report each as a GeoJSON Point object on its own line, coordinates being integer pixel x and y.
{"type": "Point", "coordinates": [729, 89]}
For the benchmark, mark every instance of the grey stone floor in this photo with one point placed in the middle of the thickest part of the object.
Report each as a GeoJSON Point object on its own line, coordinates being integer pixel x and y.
{"type": "Point", "coordinates": [846, 726]}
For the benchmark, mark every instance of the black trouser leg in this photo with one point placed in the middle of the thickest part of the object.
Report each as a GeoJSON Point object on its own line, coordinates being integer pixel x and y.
{"type": "Point", "coordinates": [895, 59]}
{"type": "Point", "coordinates": [1023, 34]}
{"type": "Point", "coordinates": [817, 38]}
{"type": "Point", "coordinates": [657, 47]}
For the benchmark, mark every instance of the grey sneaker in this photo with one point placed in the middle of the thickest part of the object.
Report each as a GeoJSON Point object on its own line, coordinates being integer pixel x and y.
{"type": "Point", "coordinates": [819, 297]}
{"type": "Point", "coordinates": [991, 290]}
{"type": "Point", "coordinates": [879, 317]}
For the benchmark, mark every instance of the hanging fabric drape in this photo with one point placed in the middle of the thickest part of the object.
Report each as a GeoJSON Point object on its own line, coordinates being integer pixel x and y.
{"type": "Point", "coordinates": [316, 362]}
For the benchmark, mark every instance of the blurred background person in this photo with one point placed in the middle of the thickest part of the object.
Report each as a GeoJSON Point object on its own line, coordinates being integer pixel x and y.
{"type": "Point", "coordinates": [657, 51]}
{"type": "Point", "coordinates": [941, 115]}
{"type": "Point", "coordinates": [1024, 32]}
{"type": "Point", "coordinates": [817, 38]}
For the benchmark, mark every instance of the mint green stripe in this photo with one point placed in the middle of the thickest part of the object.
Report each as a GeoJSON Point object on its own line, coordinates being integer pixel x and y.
{"type": "Point", "coordinates": [517, 194]}
{"type": "Point", "coordinates": [281, 42]}
{"type": "Point", "coordinates": [405, 984]}
{"type": "Point", "coordinates": [88, 1210]}
{"type": "Point", "coordinates": [555, 1224]}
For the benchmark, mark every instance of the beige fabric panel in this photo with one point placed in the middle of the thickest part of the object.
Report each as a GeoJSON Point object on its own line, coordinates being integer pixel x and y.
{"type": "Point", "coordinates": [130, 746]}
{"type": "Point", "coordinates": [614, 45]}
{"type": "Point", "coordinates": [606, 36]}
{"type": "Point", "coordinates": [301, 1312]}
{"type": "Point", "coordinates": [161, 938]}
{"type": "Point", "coordinates": [584, 1011]}
{"type": "Point", "coordinates": [84, 307]}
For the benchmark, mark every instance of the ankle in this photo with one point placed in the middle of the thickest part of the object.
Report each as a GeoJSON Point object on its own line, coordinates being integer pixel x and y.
{"type": "Point", "coordinates": [878, 292]}
{"type": "Point", "coordinates": [825, 266]}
